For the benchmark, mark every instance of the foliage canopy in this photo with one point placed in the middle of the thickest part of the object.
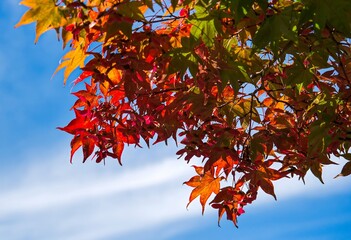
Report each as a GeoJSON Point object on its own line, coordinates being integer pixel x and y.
{"type": "Point", "coordinates": [260, 90]}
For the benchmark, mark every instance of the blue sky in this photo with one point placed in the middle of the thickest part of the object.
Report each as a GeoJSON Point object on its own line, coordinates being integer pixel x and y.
{"type": "Point", "coordinates": [43, 196]}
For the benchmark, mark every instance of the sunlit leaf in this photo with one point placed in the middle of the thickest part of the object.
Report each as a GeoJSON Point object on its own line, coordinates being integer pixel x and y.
{"type": "Point", "coordinates": [71, 61]}
{"type": "Point", "coordinates": [45, 13]}
{"type": "Point", "coordinates": [204, 186]}
{"type": "Point", "coordinates": [257, 90]}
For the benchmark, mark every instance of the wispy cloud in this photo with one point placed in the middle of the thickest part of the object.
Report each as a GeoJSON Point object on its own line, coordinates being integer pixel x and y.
{"type": "Point", "coordinates": [95, 202]}
{"type": "Point", "coordinates": [44, 197]}
{"type": "Point", "coordinates": [77, 202]}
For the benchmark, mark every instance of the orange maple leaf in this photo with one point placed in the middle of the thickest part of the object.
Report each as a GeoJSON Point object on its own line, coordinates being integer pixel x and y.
{"type": "Point", "coordinates": [204, 185]}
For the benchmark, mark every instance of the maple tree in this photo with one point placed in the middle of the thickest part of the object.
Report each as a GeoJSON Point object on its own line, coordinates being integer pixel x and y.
{"type": "Point", "coordinates": [260, 90]}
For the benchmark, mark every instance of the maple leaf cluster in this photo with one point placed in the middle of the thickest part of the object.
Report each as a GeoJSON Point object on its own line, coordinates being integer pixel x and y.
{"type": "Point", "coordinates": [259, 90]}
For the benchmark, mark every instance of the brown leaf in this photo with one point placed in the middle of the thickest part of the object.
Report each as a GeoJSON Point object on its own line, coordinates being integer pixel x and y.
{"type": "Point", "coordinates": [346, 170]}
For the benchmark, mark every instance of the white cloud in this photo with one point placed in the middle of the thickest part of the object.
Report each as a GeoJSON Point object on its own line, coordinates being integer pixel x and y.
{"type": "Point", "coordinates": [89, 201]}
{"type": "Point", "coordinates": [54, 199]}
{"type": "Point", "coordinates": [49, 194]}
{"type": "Point", "coordinates": [47, 198]}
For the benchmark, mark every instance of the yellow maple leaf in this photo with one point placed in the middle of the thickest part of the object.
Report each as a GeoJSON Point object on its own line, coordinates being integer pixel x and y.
{"type": "Point", "coordinates": [71, 61]}
{"type": "Point", "coordinates": [45, 13]}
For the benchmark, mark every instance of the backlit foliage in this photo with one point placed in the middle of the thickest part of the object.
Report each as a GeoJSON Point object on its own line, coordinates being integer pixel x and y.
{"type": "Point", "coordinates": [259, 90]}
